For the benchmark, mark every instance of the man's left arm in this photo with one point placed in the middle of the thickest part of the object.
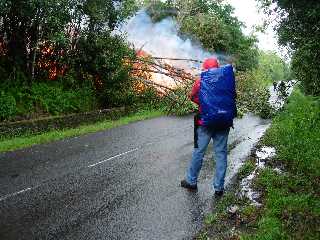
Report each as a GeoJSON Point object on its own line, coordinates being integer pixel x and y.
{"type": "Point", "coordinates": [194, 95]}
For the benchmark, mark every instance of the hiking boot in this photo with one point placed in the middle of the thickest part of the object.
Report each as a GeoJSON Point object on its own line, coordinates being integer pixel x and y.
{"type": "Point", "coordinates": [218, 194]}
{"type": "Point", "coordinates": [189, 186]}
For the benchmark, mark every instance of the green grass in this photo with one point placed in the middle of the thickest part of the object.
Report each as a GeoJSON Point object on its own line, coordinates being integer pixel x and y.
{"type": "Point", "coordinates": [27, 141]}
{"type": "Point", "coordinates": [292, 202]}
{"type": "Point", "coordinates": [246, 169]}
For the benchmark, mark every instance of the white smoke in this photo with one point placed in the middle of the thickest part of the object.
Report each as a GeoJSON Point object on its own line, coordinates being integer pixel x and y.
{"type": "Point", "coordinates": [162, 40]}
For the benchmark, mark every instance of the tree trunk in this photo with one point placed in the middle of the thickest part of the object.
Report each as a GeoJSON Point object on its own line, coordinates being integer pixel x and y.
{"type": "Point", "coordinates": [35, 49]}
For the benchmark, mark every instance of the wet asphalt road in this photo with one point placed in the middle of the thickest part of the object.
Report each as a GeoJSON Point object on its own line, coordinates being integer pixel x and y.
{"type": "Point", "coordinates": [121, 183]}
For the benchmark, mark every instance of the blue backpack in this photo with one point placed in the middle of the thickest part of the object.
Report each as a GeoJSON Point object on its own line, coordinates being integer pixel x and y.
{"type": "Point", "coordinates": [217, 97]}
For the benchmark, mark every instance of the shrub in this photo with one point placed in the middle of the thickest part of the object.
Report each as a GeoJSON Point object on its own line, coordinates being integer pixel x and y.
{"type": "Point", "coordinates": [252, 96]}
{"type": "Point", "coordinates": [55, 100]}
{"type": "Point", "coordinates": [149, 98]}
{"type": "Point", "coordinates": [296, 134]}
{"type": "Point", "coordinates": [178, 103]}
{"type": "Point", "coordinates": [272, 68]}
{"type": "Point", "coordinates": [292, 199]}
{"type": "Point", "coordinates": [46, 98]}
{"type": "Point", "coordinates": [8, 106]}
{"type": "Point", "coordinates": [305, 69]}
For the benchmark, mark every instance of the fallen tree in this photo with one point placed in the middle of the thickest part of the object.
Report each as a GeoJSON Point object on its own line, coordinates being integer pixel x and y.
{"type": "Point", "coordinates": [169, 81]}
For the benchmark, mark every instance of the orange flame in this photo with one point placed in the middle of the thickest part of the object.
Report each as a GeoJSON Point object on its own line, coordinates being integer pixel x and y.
{"type": "Point", "coordinates": [163, 73]}
{"type": "Point", "coordinates": [53, 67]}
{"type": "Point", "coordinates": [140, 71]}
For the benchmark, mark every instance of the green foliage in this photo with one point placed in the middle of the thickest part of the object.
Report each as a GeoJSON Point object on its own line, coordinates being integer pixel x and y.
{"type": "Point", "coordinates": [211, 219]}
{"type": "Point", "coordinates": [24, 23]}
{"type": "Point", "coordinates": [298, 29]}
{"type": "Point", "coordinates": [102, 58]}
{"type": "Point", "coordinates": [178, 103]}
{"type": "Point", "coordinates": [43, 98]}
{"type": "Point", "coordinates": [8, 106]}
{"type": "Point", "coordinates": [100, 55]}
{"type": "Point", "coordinates": [159, 10]}
{"type": "Point", "coordinates": [245, 53]}
{"type": "Point", "coordinates": [270, 228]}
{"type": "Point", "coordinates": [305, 64]}
{"type": "Point", "coordinates": [148, 98]}
{"type": "Point", "coordinates": [252, 86]}
{"type": "Point", "coordinates": [252, 96]}
{"type": "Point", "coordinates": [296, 134]}
{"type": "Point", "coordinates": [203, 236]}
{"type": "Point", "coordinates": [55, 100]}
{"type": "Point", "coordinates": [217, 30]}
{"type": "Point", "coordinates": [272, 68]}
{"type": "Point", "coordinates": [246, 169]}
{"type": "Point", "coordinates": [292, 208]}
{"type": "Point", "coordinates": [78, 34]}
{"type": "Point", "coordinates": [209, 30]}
{"type": "Point", "coordinates": [291, 211]}
{"type": "Point", "coordinates": [212, 24]}
{"type": "Point", "coordinates": [248, 211]}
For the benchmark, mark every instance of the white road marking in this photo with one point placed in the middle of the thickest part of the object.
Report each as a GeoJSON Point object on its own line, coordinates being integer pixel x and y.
{"type": "Point", "coordinates": [14, 194]}
{"type": "Point", "coordinates": [119, 155]}
{"type": "Point", "coordinates": [90, 166]}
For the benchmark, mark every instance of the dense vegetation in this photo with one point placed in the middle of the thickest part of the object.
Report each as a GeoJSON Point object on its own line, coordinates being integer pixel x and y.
{"type": "Point", "coordinates": [298, 29]}
{"type": "Point", "coordinates": [63, 56]}
{"type": "Point", "coordinates": [292, 208]}
{"type": "Point", "coordinates": [212, 24]}
{"type": "Point", "coordinates": [290, 199]}
{"type": "Point", "coordinates": [61, 52]}
{"type": "Point", "coordinates": [252, 85]}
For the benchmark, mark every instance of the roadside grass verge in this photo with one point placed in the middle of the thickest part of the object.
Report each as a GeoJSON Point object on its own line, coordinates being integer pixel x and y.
{"type": "Point", "coordinates": [291, 198]}
{"type": "Point", "coordinates": [27, 141]}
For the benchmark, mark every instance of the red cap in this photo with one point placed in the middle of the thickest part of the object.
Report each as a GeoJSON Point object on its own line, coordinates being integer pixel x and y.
{"type": "Point", "coordinates": [210, 63]}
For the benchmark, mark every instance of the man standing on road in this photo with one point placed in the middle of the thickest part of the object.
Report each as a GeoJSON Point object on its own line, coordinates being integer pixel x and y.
{"type": "Point", "coordinates": [215, 94]}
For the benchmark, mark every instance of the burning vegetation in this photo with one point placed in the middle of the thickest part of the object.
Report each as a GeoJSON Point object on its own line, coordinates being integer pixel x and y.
{"type": "Point", "coordinates": [146, 71]}
{"type": "Point", "coordinates": [48, 61]}
{"type": "Point", "coordinates": [170, 82]}
{"type": "Point", "coordinates": [153, 71]}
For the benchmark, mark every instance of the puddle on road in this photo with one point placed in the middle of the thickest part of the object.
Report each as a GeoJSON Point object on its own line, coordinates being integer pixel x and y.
{"type": "Point", "coordinates": [245, 135]}
{"type": "Point", "coordinates": [242, 139]}
{"type": "Point", "coordinates": [249, 130]}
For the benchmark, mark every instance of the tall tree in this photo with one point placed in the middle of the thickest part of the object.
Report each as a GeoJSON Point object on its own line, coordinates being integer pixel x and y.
{"type": "Point", "coordinates": [298, 29]}
{"type": "Point", "coordinates": [24, 24]}
{"type": "Point", "coordinates": [73, 35]}
{"type": "Point", "coordinates": [213, 24]}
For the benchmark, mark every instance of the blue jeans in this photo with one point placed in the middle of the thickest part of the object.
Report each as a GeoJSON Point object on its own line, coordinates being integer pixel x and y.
{"type": "Point", "coordinates": [220, 144]}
